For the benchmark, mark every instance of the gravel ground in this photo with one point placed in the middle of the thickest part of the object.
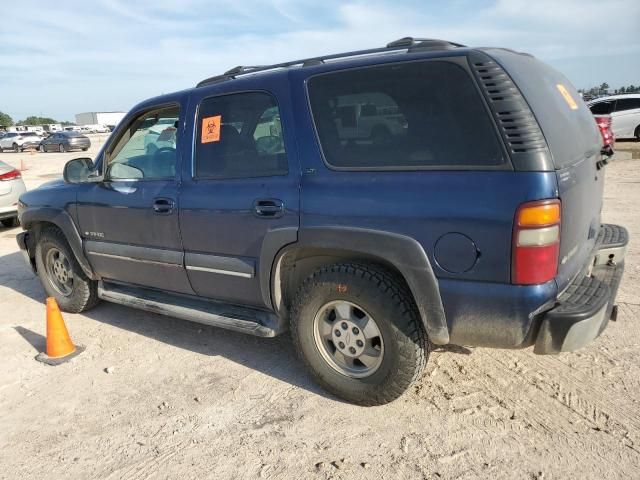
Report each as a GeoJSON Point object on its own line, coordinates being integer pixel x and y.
{"type": "Point", "coordinates": [155, 397]}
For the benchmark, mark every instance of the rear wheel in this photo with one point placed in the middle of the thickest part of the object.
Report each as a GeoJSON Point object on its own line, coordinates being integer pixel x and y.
{"type": "Point", "coordinates": [358, 331]}
{"type": "Point", "coordinates": [60, 274]}
{"type": "Point", "coordinates": [16, 148]}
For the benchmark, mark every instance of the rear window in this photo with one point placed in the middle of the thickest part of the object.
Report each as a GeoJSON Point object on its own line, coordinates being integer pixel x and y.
{"type": "Point", "coordinates": [403, 116]}
{"type": "Point", "coordinates": [602, 108]}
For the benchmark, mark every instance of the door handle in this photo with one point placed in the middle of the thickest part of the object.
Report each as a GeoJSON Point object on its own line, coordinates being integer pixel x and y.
{"type": "Point", "coordinates": [268, 208]}
{"type": "Point", "coordinates": [163, 206]}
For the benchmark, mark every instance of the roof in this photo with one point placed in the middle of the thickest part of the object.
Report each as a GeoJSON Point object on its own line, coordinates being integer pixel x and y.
{"type": "Point", "coordinates": [615, 97]}
{"type": "Point", "coordinates": [408, 44]}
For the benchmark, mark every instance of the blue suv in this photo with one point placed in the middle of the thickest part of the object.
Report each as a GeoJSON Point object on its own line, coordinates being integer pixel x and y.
{"type": "Point", "coordinates": [374, 203]}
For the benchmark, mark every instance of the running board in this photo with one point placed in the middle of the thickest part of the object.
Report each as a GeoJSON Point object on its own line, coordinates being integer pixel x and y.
{"type": "Point", "coordinates": [260, 323]}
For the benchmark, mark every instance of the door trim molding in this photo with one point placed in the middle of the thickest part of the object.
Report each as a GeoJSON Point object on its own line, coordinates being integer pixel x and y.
{"type": "Point", "coordinates": [235, 266]}
{"type": "Point", "coordinates": [134, 253]}
{"type": "Point", "coordinates": [222, 272]}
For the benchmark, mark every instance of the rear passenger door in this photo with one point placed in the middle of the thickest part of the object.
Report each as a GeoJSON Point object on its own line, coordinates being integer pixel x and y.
{"type": "Point", "coordinates": [240, 195]}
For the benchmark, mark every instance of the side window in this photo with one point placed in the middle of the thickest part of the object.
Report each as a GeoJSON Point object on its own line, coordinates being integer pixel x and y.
{"type": "Point", "coordinates": [239, 136]}
{"type": "Point", "coordinates": [624, 104]}
{"type": "Point", "coordinates": [147, 148]}
{"type": "Point", "coordinates": [403, 116]}
{"type": "Point", "coordinates": [602, 108]}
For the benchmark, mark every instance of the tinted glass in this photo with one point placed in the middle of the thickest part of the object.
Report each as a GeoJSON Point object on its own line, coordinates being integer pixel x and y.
{"type": "Point", "coordinates": [627, 104]}
{"type": "Point", "coordinates": [602, 108]}
{"type": "Point", "coordinates": [407, 115]}
{"type": "Point", "coordinates": [147, 148]}
{"type": "Point", "coordinates": [240, 135]}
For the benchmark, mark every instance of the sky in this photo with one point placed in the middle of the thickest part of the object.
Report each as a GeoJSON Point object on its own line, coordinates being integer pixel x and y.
{"type": "Point", "coordinates": [65, 57]}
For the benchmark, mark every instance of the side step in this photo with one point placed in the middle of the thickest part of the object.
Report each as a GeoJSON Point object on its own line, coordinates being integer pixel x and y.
{"type": "Point", "coordinates": [611, 244]}
{"type": "Point", "coordinates": [253, 321]}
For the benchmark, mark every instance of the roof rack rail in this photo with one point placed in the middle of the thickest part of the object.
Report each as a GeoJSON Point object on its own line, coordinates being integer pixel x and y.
{"type": "Point", "coordinates": [406, 43]}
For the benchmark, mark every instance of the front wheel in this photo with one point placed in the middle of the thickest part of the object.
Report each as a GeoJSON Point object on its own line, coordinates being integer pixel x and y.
{"type": "Point", "coordinates": [357, 330]}
{"type": "Point", "coordinates": [61, 275]}
{"type": "Point", "coordinates": [16, 148]}
{"type": "Point", "coordinates": [61, 148]}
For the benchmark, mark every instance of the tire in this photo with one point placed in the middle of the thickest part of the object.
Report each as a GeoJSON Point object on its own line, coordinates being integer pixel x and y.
{"type": "Point", "coordinates": [83, 293]}
{"type": "Point", "coordinates": [85, 149]}
{"type": "Point", "coordinates": [402, 343]}
{"type": "Point", "coordinates": [61, 148]}
{"type": "Point", "coordinates": [10, 222]}
{"type": "Point", "coordinates": [16, 148]}
{"type": "Point", "coordinates": [637, 133]}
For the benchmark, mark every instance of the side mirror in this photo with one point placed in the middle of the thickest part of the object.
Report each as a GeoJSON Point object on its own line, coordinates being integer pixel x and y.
{"type": "Point", "coordinates": [80, 170]}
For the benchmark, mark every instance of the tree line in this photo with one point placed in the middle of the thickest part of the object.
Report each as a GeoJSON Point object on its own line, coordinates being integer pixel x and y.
{"type": "Point", "coordinates": [605, 89]}
{"type": "Point", "coordinates": [7, 121]}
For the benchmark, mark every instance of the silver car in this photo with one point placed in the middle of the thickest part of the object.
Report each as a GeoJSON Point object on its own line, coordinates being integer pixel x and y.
{"type": "Point", "coordinates": [11, 187]}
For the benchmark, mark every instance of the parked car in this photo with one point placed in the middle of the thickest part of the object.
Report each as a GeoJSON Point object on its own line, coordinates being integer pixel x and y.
{"type": "Point", "coordinates": [11, 187]}
{"type": "Point", "coordinates": [625, 113]}
{"type": "Point", "coordinates": [18, 141]}
{"type": "Point", "coordinates": [65, 142]}
{"type": "Point", "coordinates": [476, 223]}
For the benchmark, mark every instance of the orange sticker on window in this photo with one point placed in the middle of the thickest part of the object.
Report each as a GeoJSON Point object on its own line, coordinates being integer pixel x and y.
{"type": "Point", "coordinates": [211, 129]}
{"type": "Point", "coordinates": [567, 97]}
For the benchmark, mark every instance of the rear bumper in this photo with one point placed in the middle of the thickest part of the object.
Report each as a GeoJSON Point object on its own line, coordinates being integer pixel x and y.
{"type": "Point", "coordinates": [584, 309]}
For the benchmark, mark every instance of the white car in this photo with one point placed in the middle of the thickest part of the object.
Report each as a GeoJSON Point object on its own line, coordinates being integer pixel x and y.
{"type": "Point", "coordinates": [11, 187]}
{"type": "Point", "coordinates": [625, 113]}
{"type": "Point", "coordinates": [16, 140]}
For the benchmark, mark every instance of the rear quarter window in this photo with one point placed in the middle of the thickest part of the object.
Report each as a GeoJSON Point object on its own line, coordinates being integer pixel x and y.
{"type": "Point", "coordinates": [602, 108]}
{"type": "Point", "coordinates": [410, 115]}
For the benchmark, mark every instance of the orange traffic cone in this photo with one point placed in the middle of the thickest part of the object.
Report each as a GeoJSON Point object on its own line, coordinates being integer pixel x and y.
{"type": "Point", "coordinates": [60, 348]}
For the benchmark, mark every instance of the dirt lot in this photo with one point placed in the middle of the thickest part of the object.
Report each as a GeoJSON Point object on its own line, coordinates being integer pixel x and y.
{"type": "Point", "coordinates": [190, 401]}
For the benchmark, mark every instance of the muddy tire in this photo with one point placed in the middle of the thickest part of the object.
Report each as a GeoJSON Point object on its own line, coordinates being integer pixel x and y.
{"type": "Point", "coordinates": [357, 330]}
{"type": "Point", "coordinates": [61, 275]}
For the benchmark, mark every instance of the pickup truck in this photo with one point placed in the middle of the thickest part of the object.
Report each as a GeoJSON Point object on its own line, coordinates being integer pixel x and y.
{"type": "Point", "coordinates": [247, 203]}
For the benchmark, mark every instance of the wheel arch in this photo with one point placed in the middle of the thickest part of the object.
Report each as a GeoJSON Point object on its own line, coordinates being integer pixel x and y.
{"type": "Point", "coordinates": [401, 255]}
{"type": "Point", "coordinates": [34, 220]}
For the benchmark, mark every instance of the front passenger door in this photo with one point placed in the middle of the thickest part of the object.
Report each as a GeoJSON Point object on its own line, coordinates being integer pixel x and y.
{"type": "Point", "coordinates": [129, 221]}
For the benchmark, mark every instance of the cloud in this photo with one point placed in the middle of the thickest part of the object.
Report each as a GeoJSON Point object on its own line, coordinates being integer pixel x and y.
{"type": "Point", "coordinates": [68, 57]}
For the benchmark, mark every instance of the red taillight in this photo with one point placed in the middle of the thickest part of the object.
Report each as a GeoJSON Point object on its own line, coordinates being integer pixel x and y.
{"type": "Point", "coordinates": [536, 242]}
{"type": "Point", "coordinates": [12, 175]}
{"type": "Point", "coordinates": [604, 125]}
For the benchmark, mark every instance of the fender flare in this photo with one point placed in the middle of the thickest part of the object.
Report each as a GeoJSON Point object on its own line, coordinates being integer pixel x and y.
{"type": "Point", "coordinates": [62, 220]}
{"type": "Point", "coordinates": [402, 252]}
